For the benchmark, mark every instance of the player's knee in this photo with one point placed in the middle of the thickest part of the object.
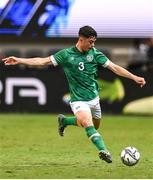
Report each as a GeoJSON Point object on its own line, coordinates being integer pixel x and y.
{"type": "Point", "coordinates": [84, 119]}
{"type": "Point", "coordinates": [85, 122]}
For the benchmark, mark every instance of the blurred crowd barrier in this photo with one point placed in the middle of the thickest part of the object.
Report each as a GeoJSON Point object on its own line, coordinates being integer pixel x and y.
{"type": "Point", "coordinates": [138, 54]}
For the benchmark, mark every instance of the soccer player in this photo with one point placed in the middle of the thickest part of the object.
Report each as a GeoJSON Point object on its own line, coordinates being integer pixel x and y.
{"type": "Point", "coordinates": [80, 64]}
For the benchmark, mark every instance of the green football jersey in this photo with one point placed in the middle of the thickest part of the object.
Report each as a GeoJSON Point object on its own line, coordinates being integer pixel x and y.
{"type": "Point", "coordinates": [81, 71]}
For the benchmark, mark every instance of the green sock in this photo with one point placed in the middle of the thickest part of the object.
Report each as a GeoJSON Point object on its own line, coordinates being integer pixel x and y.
{"type": "Point", "coordinates": [70, 121]}
{"type": "Point", "coordinates": [95, 138]}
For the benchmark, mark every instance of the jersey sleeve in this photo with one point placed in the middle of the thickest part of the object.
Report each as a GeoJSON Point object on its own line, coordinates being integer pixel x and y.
{"type": "Point", "coordinates": [59, 58]}
{"type": "Point", "coordinates": [101, 59]}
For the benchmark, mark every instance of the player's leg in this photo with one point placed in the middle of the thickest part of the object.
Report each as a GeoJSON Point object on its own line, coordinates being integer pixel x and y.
{"type": "Point", "coordinates": [96, 118]}
{"type": "Point", "coordinates": [103, 154]}
{"type": "Point", "coordinates": [84, 118]}
{"type": "Point", "coordinates": [64, 121]}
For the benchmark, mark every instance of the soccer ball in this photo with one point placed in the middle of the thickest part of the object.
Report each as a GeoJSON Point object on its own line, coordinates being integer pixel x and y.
{"type": "Point", "coordinates": [130, 156]}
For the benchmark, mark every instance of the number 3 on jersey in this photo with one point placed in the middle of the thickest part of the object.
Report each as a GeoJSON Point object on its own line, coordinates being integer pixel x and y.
{"type": "Point", "coordinates": [81, 66]}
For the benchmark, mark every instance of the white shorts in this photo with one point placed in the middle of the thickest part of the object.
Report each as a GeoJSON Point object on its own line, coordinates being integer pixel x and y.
{"type": "Point", "coordinates": [92, 106]}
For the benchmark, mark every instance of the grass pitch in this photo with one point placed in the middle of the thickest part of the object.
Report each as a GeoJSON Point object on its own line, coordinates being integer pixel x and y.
{"type": "Point", "coordinates": [30, 147]}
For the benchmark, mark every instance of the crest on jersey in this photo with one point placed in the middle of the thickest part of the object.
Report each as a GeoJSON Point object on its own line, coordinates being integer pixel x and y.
{"type": "Point", "coordinates": [71, 58]}
{"type": "Point", "coordinates": [89, 58]}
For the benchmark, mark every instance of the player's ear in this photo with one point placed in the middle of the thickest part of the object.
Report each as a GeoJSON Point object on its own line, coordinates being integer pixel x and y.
{"type": "Point", "coordinates": [81, 38]}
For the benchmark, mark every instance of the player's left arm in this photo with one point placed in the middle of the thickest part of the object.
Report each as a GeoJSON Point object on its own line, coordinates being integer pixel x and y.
{"type": "Point", "coordinates": [125, 73]}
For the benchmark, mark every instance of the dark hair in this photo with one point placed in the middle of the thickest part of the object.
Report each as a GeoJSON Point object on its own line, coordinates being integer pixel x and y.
{"type": "Point", "coordinates": [87, 31]}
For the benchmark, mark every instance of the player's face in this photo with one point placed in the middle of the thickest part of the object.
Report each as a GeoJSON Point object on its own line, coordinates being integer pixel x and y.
{"type": "Point", "coordinates": [88, 43]}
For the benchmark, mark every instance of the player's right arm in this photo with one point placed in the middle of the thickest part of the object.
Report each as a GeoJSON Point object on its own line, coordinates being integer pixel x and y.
{"type": "Point", "coordinates": [37, 61]}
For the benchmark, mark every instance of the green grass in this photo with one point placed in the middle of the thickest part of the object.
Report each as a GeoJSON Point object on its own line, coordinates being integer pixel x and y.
{"type": "Point", "coordinates": [30, 147]}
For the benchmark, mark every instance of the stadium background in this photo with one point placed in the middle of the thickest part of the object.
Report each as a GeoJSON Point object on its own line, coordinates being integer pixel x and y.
{"type": "Point", "coordinates": [31, 98]}
{"type": "Point", "coordinates": [40, 28]}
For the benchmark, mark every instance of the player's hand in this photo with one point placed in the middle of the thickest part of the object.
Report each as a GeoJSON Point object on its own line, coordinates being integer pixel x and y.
{"type": "Point", "coordinates": [140, 81]}
{"type": "Point", "coordinates": [11, 60]}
